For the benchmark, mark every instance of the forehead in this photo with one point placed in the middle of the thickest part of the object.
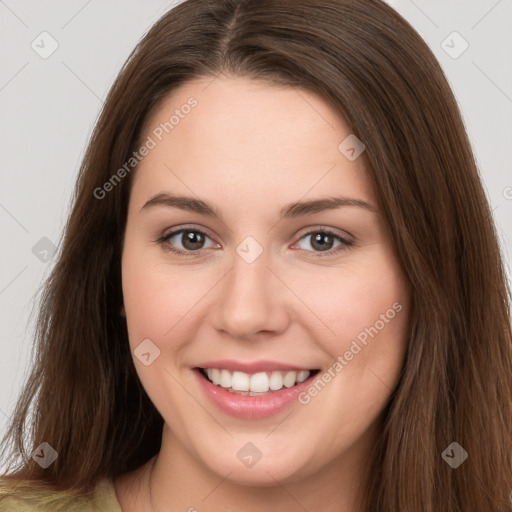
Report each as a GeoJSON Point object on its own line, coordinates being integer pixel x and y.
{"type": "Point", "coordinates": [249, 137]}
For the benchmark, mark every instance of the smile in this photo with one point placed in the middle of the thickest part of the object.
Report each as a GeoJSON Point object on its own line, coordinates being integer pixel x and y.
{"type": "Point", "coordinates": [255, 390]}
{"type": "Point", "coordinates": [256, 384]}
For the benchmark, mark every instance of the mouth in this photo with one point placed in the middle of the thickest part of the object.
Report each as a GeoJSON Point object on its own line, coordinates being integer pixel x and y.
{"type": "Point", "coordinates": [253, 390]}
{"type": "Point", "coordinates": [263, 383]}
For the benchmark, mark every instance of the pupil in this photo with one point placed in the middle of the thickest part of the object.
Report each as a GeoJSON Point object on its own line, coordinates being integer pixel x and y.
{"type": "Point", "coordinates": [322, 246]}
{"type": "Point", "coordinates": [192, 240]}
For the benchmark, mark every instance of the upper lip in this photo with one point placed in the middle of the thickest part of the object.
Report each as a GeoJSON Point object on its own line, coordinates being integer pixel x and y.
{"type": "Point", "coordinates": [251, 366]}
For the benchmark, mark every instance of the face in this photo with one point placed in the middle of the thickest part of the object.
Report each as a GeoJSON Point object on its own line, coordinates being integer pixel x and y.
{"type": "Point", "coordinates": [236, 268]}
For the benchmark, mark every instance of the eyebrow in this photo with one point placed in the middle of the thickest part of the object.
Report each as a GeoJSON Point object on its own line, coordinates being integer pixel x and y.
{"type": "Point", "coordinates": [291, 210]}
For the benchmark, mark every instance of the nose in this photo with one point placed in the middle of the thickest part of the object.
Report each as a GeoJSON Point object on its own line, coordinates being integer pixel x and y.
{"type": "Point", "coordinates": [251, 301]}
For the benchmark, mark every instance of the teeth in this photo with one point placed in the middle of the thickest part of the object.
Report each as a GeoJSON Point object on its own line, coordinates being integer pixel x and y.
{"type": "Point", "coordinates": [240, 381]}
{"type": "Point", "coordinates": [261, 382]}
{"type": "Point", "coordinates": [225, 379]}
{"type": "Point", "coordinates": [289, 379]}
{"type": "Point", "coordinates": [276, 381]}
{"type": "Point", "coordinates": [215, 376]}
{"type": "Point", "coordinates": [302, 376]}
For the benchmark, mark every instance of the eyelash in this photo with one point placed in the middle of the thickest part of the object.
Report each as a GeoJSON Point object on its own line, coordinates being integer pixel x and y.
{"type": "Point", "coordinates": [345, 244]}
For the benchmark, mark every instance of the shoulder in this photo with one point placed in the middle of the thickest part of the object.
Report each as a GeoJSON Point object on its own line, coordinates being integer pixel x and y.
{"type": "Point", "coordinates": [32, 496]}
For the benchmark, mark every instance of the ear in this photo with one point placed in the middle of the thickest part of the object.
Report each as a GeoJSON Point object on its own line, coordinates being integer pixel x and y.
{"type": "Point", "coordinates": [122, 312]}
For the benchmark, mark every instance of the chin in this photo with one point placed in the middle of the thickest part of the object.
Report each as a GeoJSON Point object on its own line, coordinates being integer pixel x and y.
{"type": "Point", "coordinates": [265, 472]}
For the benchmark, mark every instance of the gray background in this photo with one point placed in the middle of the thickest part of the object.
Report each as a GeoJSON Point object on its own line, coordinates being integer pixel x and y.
{"type": "Point", "coordinates": [48, 107]}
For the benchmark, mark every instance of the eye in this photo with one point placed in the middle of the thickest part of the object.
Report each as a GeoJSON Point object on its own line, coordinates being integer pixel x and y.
{"type": "Point", "coordinates": [191, 241]}
{"type": "Point", "coordinates": [186, 241]}
{"type": "Point", "coordinates": [324, 242]}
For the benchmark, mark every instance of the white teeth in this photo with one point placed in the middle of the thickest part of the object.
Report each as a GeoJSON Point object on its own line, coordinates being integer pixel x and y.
{"type": "Point", "coordinates": [240, 381]}
{"type": "Point", "coordinates": [261, 382]}
{"type": "Point", "coordinates": [225, 378]}
{"type": "Point", "coordinates": [215, 376]}
{"type": "Point", "coordinates": [276, 381]}
{"type": "Point", "coordinates": [302, 376]}
{"type": "Point", "coordinates": [289, 379]}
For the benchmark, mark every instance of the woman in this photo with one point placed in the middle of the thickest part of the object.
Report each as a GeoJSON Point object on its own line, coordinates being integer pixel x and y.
{"type": "Point", "coordinates": [280, 284]}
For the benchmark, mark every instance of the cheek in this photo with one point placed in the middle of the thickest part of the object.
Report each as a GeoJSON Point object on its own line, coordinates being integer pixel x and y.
{"type": "Point", "coordinates": [367, 309]}
{"type": "Point", "coordinates": [149, 297]}
{"type": "Point", "coordinates": [354, 301]}
{"type": "Point", "coordinates": [156, 302]}
{"type": "Point", "coordinates": [364, 308]}
{"type": "Point", "coordinates": [144, 298]}
{"type": "Point", "coordinates": [160, 300]}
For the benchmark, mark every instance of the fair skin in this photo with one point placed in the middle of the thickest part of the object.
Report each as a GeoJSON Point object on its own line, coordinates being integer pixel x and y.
{"type": "Point", "coordinates": [248, 149]}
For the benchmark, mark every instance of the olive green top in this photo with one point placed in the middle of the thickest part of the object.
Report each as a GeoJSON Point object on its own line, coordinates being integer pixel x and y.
{"type": "Point", "coordinates": [23, 496]}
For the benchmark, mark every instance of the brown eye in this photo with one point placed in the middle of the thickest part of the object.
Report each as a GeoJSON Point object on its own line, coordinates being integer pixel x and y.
{"type": "Point", "coordinates": [185, 241]}
{"type": "Point", "coordinates": [192, 240]}
{"type": "Point", "coordinates": [323, 241]}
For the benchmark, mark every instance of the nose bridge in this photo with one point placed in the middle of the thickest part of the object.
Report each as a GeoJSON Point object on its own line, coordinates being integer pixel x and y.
{"type": "Point", "coordinates": [250, 275]}
{"type": "Point", "coordinates": [251, 299]}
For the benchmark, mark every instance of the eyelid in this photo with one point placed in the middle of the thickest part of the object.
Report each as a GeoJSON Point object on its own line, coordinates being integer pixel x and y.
{"type": "Point", "coordinates": [319, 227]}
{"type": "Point", "coordinates": [186, 227]}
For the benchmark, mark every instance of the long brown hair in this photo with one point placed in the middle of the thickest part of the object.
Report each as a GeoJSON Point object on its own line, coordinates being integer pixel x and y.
{"type": "Point", "coordinates": [83, 396]}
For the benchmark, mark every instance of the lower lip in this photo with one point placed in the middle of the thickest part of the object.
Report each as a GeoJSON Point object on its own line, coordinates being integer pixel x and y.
{"type": "Point", "coordinates": [251, 407]}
